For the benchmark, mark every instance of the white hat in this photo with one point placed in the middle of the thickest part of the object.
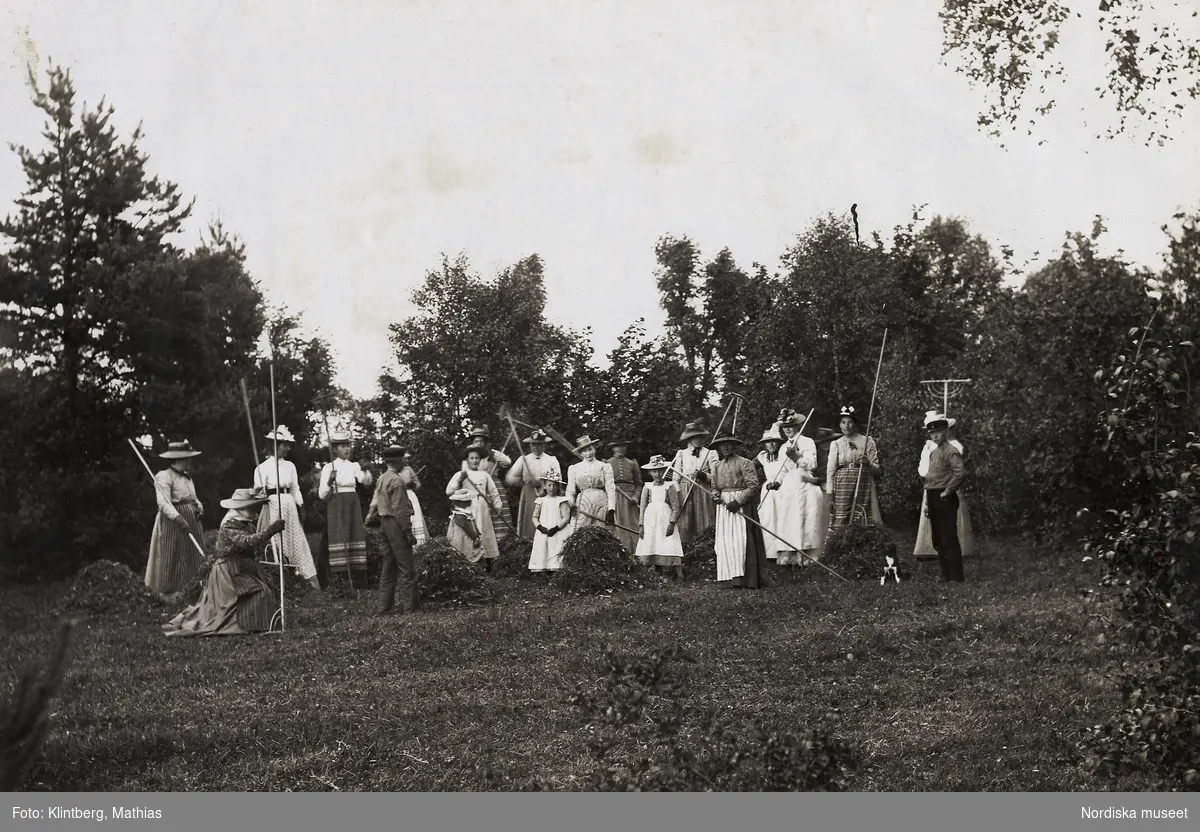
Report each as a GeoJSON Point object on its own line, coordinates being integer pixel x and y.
{"type": "Point", "coordinates": [282, 434]}
{"type": "Point", "coordinates": [932, 417]}
{"type": "Point", "coordinates": [772, 434]}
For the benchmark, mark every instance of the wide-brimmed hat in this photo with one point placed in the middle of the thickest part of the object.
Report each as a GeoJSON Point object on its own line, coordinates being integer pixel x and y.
{"type": "Point", "coordinates": [657, 463]}
{"type": "Point", "coordinates": [179, 450]}
{"type": "Point", "coordinates": [245, 497]}
{"type": "Point", "coordinates": [538, 436]}
{"type": "Point", "coordinates": [691, 430]}
{"type": "Point", "coordinates": [614, 442]}
{"type": "Point", "coordinates": [553, 478]}
{"type": "Point", "coordinates": [339, 437]}
{"type": "Point", "coordinates": [789, 418]}
{"type": "Point", "coordinates": [475, 446]}
{"type": "Point", "coordinates": [584, 441]}
{"type": "Point", "coordinates": [771, 435]}
{"type": "Point", "coordinates": [936, 420]}
{"type": "Point", "coordinates": [727, 437]}
{"type": "Point", "coordinates": [481, 430]}
{"type": "Point", "coordinates": [282, 434]}
{"type": "Point", "coordinates": [394, 452]}
{"type": "Point", "coordinates": [848, 412]}
{"type": "Point", "coordinates": [462, 495]}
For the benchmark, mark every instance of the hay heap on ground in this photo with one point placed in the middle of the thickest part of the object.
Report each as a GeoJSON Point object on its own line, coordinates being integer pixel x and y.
{"type": "Point", "coordinates": [860, 552]}
{"type": "Point", "coordinates": [514, 559]}
{"type": "Point", "coordinates": [700, 557]}
{"type": "Point", "coordinates": [594, 561]}
{"type": "Point", "coordinates": [110, 589]}
{"type": "Point", "coordinates": [448, 579]}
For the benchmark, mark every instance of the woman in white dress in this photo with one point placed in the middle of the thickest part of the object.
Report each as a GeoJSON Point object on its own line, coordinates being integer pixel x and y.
{"type": "Point", "coordinates": [591, 488]}
{"type": "Point", "coordinates": [802, 516]}
{"type": "Point", "coordinates": [552, 516]}
{"type": "Point", "coordinates": [658, 542]}
{"type": "Point", "coordinates": [773, 464]}
{"type": "Point", "coordinates": [283, 488]}
{"type": "Point", "coordinates": [966, 537]}
{"type": "Point", "coordinates": [485, 498]}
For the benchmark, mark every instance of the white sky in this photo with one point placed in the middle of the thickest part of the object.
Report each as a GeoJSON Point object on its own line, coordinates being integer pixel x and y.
{"type": "Point", "coordinates": [350, 144]}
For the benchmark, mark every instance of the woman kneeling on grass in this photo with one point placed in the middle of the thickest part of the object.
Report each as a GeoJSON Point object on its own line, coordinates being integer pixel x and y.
{"type": "Point", "coordinates": [658, 544]}
{"type": "Point", "coordinates": [236, 599]}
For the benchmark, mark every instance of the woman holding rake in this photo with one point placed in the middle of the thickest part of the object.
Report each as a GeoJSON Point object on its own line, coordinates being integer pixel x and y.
{"type": "Point", "coordinates": [853, 467]}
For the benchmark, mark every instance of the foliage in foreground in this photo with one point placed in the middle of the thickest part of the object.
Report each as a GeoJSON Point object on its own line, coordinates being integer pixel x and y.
{"type": "Point", "coordinates": [641, 738]}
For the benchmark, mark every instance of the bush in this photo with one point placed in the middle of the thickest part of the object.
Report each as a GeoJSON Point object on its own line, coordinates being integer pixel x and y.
{"type": "Point", "coordinates": [447, 578]}
{"type": "Point", "coordinates": [859, 552]}
{"type": "Point", "coordinates": [643, 739]}
{"type": "Point", "coordinates": [700, 557]}
{"type": "Point", "coordinates": [594, 561]}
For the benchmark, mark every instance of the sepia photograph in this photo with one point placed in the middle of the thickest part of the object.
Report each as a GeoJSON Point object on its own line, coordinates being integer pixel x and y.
{"type": "Point", "coordinates": [605, 396]}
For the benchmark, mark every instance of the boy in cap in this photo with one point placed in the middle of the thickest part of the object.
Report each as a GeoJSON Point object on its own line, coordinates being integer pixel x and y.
{"type": "Point", "coordinates": [392, 506]}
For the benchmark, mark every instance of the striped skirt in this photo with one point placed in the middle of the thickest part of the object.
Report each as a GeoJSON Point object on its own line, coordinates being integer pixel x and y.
{"type": "Point", "coordinates": [842, 495]}
{"type": "Point", "coordinates": [347, 535]}
{"type": "Point", "coordinates": [420, 532]}
{"type": "Point", "coordinates": [174, 562]}
{"type": "Point", "coordinates": [292, 539]}
{"type": "Point", "coordinates": [628, 514]}
{"type": "Point", "coordinates": [502, 517]}
{"type": "Point", "coordinates": [236, 600]}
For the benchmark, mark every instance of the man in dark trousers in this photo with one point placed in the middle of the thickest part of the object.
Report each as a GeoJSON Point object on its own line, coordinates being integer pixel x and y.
{"type": "Point", "coordinates": [944, 478]}
{"type": "Point", "coordinates": [394, 510]}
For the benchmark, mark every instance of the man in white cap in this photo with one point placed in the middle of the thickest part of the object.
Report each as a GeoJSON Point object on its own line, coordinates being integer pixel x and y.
{"type": "Point", "coordinates": [942, 481]}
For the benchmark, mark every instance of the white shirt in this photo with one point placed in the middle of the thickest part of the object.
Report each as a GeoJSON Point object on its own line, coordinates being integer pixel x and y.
{"type": "Point", "coordinates": [289, 480]}
{"type": "Point", "coordinates": [348, 474]}
{"type": "Point", "coordinates": [923, 465]}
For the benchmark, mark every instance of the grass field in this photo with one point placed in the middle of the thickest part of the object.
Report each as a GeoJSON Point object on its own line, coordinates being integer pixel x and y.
{"type": "Point", "coordinates": [984, 686]}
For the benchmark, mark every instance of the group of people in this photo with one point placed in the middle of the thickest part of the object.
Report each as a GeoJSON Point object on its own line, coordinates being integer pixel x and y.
{"type": "Point", "coordinates": [774, 506]}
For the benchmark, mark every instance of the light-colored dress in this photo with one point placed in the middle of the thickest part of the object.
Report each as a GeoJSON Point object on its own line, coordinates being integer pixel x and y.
{"type": "Point", "coordinates": [966, 536]}
{"type": "Point", "coordinates": [292, 539]}
{"type": "Point", "coordinates": [525, 474]}
{"type": "Point", "coordinates": [800, 514]}
{"type": "Point", "coordinates": [660, 505]}
{"type": "Point", "coordinates": [769, 500]}
{"type": "Point", "coordinates": [547, 551]}
{"type": "Point", "coordinates": [174, 561]}
{"type": "Point", "coordinates": [697, 512]}
{"type": "Point", "coordinates": [591, 491]}
{"type": "Point", "coordinates": [734, 478]}
{"type": "Point", "coordinates": [485, 498]}
{"type": "Point", "coordinates": [493, 464]}
{"type": "Point", "coordinates": [842, 478]}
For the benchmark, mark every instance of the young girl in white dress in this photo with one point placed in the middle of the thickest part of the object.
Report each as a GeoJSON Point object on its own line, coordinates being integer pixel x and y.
{"type": "Point", "coordinates": [552, 526]}
{"type": "Point", "coordinates": [658, 542]}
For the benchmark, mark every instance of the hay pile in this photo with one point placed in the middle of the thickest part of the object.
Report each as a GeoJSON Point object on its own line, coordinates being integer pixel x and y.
{"type": "Point", "coordinates": [110, 589]}
{"type": "Point", "coordinates": [700, 557]}
{"type": "Point", "coordinates": [514, 559]}
{"type": "Point", "coordinates": [448, 579]}
{"type": "Point", "coordinates": [859, 552]}
{"type": "Point", "coordinates": [594, 561]}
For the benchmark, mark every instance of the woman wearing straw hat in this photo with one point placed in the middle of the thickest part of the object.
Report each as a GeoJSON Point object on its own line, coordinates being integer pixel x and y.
{"type": "Point", "coordinates": [591, 490]}
{"type": "Point", "coordinates": [236, 600]}
{"type": "Point", "coordinates": [627, 477]}
{"type": "Point", "coordinates": [493, 464]}
{"type": "Point", "coordinates": [553, 515]}
{"type": "Point", "coordinates": [802, 517]}
{"type": "Point", "coordinates": [852, 468]}
{"type": "Point", "coordinates": [693, 462]}
{"type": "Point", "coordinates": [525, 475]}
{"type": "Point", "coordinates": [741, 554]}
{"type": "Point", "coordinates": [774, 464]}
{"type": "Point", "coordinates": [924, 548]}
{"type": "Point", "coordinates": [339, 488]}
{"type": "Point", "coordinates": [659, 544]}
{"type": "Point", "coordinates": [481, 489]}
{"type": "Point", "coordinates": [286, 494]}
{"type": "Point", "coordinates": [174, 562]}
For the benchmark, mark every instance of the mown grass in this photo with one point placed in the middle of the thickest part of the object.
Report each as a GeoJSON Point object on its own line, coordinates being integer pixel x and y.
{"type": "Point", "coordinates": [984, 686]}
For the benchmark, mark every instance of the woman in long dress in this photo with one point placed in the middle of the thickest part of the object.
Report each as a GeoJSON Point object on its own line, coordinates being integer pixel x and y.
{"type": "Point", "coordinates": [340, 480]}
{"type": "Point", "coordinates": [966, 536]}
{"type": "Point", "coordinates": [526, 474]}
{"type": "Point", "coordinates": [484, 498]}
{"type": "Point", "coordinates": [802, 515]}
{"type": "Point", "coordinates": [237, 599]}
{"type": "Point", "coordinates": [852, 468]}
{"type": "Point", "coordinates": [285, 493]}
{"type": "Point", "coordinates": [773, 464]}
{"type": "Point", "coordinates": [627, 477]}
{"type": "Point", "coordinates": [552, 511]}
{"type": "Point", "coordinates": [494, 462]}
{"type": "Point", "coordinates": [659, 545]}
{"type": "Point", "coordinates": [694, 462]}
{"type": "Point", "coordinates": [174, 561]}
{"type": "Point", "coordinates": [741, 555]}
{"type": "Point", "coordinates": [590, 487]}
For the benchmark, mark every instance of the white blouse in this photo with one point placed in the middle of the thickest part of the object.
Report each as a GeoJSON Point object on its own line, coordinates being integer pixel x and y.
{"type": "Point", "coordinates": [289, 480]}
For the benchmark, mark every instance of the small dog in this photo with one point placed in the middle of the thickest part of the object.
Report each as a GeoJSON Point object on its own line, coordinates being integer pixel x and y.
{"type": "Point", "coordinates": [890, 569]}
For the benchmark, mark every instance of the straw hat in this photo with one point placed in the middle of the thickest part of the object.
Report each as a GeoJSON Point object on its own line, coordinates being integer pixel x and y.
{"type": "Point", "coordinates": [553, 478]}
{"type": "Point", "coordinates": [727, 437]}
{"type": "Point", "coordinates": [691, 430]}
{"type": "Point", "coordinates": [245, 497]}
{"type": "Point", "coordinates": [537, 437]}
{"type": "Point", "coordinates": [789, 418]}
{"type": "Point", "coordinates": [282, 434]}
{"type": "Point", "coordinates": [936, 420]}
{"type": "Point", "coordinates": [772, 434]}
{"type": "Point", "coordinates": [657, 463]}
{"type": "Point", "coordinates": [339, 437]}
{"type": "Point", "coordinates": [585, 441]}
{"type": "Point", "coordinates": [462, 495]}
{"type": "Point", "coordinates": [475, 446]}
{"type": "Point", "coordinates": [481, 431]}
{"type": "Point", "coordinates": [179, 450]}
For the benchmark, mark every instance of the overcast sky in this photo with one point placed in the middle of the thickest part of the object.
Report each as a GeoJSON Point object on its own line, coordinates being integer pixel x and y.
{"type": "Point", "coordinates": [351, 143]}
